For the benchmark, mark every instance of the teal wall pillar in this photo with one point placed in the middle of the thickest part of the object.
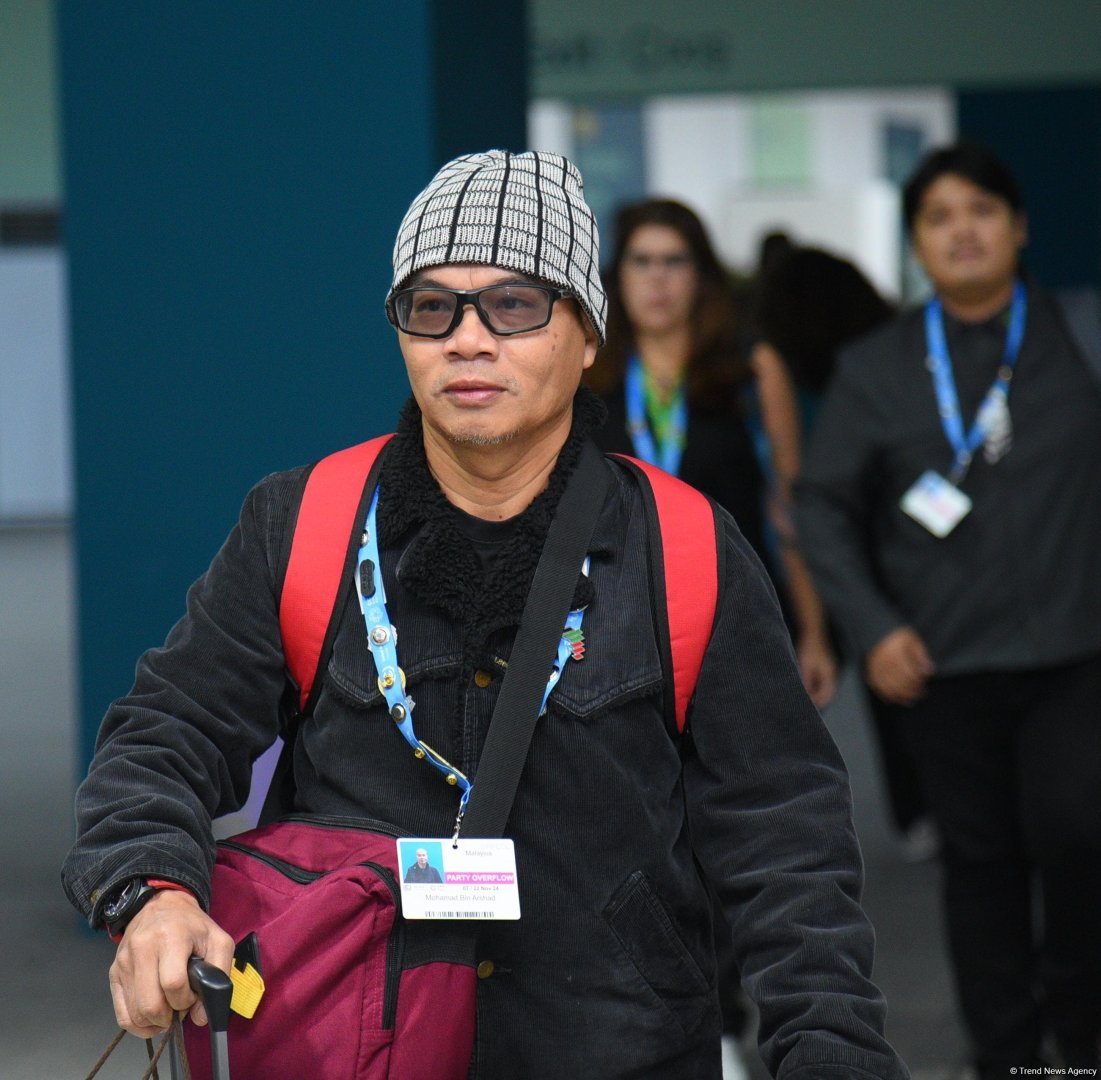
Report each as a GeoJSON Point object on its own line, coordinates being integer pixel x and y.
{"type": "Point", "coordinates": [1051, 138]}
{"type": "Point", "coordinates": [235, 174]}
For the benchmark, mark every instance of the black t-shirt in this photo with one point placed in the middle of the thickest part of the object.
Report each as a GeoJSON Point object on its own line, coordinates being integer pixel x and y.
{"type": "Point", "coordinates": [718, 460]}
{"type": "Point", "coordinates": [487, 538]}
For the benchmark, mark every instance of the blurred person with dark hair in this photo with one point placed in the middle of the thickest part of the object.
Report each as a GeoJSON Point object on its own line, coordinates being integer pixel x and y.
{"type": "Point", "coordinates": [774, 246]}
{"type": "Point", "coordinates": [808, 304]}
{"type": "Point", "coordinates": [950, 507]}
{"type": "Point", "coordinates": [670, 372]}
{"type": "Point", "coordinates": [674, 379]}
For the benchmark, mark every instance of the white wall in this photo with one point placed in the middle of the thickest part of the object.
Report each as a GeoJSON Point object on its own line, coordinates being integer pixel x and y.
{"type": "Point", "coordinates": [550, 126]}
{"type": "Point", "coordinates": [35, 446]}
{"type": "Point", "coordinates": [698, 149]}
{"type": "Point", "coordinates": [703, 150]}
{"type": "Point", "coordinates": [858, 221]}
{"type": "Point", "coordinates": [847, 127]}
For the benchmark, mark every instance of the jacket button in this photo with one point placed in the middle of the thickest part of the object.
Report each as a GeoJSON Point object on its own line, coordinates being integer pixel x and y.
{"type": "Point", "coordinates": [485, 969]}
{"type": "Point", "coordinates": [482, 679]}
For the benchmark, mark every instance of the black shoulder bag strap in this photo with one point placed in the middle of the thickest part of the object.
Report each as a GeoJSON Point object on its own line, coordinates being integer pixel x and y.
{"type": "Point", "coordinates": [541, 626]}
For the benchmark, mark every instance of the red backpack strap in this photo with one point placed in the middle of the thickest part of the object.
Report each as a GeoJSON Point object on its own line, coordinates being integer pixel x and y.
{"type": "Point", "coordinates": [319, 557]}
{"type": "Point", "coordinates": [684, 535]}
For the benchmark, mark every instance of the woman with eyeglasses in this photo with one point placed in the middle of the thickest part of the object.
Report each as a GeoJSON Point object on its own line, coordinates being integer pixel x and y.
{"type": "Point", "coordinates": [676, 379]}
{"type": "Point", "coordinates": [670, 372]}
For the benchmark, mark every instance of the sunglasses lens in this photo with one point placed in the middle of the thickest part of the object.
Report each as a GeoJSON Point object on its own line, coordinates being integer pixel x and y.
{"type": "Point", "coordinates": [425, 311]}
{"type": "Point", "coordinates": [511, 309]}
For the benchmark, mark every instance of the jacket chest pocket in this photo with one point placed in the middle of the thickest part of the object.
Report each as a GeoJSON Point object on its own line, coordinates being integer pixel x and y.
{"type": "Point", "coordinates": [426, 648]}
{"type": "Point", "coordinates": [650, 939]}
{"type": "Point", "coordinates": [620, 666]}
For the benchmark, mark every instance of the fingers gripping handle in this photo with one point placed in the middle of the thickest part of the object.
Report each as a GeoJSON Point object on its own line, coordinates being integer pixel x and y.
{"type": "Point", "coordinates": [215, 989]}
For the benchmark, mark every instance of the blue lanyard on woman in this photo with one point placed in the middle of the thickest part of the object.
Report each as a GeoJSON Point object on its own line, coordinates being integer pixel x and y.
{"type": "Point", "coordinates": [669, 454]}
{"type": "Point", "coordinates": [944, 383]}
{"type": "Point", "coordinates": [382, 641]}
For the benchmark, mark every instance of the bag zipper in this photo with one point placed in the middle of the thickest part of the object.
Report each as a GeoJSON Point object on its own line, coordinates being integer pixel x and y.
{"type": "Point", "coordinates": [337, 821]}
{"type": "Point", "coordinates": [395, 943]}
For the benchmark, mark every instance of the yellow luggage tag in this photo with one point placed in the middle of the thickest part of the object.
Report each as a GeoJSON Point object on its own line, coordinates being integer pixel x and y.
{"type": "Point", "coordinates": [248, 983]}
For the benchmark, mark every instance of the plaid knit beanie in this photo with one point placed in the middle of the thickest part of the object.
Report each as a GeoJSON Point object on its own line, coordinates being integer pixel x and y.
{"type": "Point", "coordinates": [524, 212]}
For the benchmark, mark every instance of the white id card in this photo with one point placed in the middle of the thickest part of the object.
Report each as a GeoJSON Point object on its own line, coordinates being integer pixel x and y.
{"type": "Point", "coordinates": [475, 880]}
{"type": "Point", "coordinates": [936, 504]}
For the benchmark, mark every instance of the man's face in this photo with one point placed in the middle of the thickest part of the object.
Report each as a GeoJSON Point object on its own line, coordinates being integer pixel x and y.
{"type": "Point", "coordinates": [968, 239]}
{"type": "Point", "coordinates": [475, 387]}
{"type": "Point", "coordinates": [422, 859]}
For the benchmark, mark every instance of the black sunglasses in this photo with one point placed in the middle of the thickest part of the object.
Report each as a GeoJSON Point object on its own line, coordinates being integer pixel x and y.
{"type": "Point", "coordinates": [434, 312]}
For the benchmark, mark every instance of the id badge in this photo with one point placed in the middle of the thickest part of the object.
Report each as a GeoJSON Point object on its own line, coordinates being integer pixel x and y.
{"type": "Point", "coordinates": [474, 880]}
{"type": "Point", "coordinates": [936, 504]}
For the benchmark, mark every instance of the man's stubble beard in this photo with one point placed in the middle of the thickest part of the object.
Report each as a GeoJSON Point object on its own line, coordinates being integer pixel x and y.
{"type": "Point", "coordinates": [467, 438]}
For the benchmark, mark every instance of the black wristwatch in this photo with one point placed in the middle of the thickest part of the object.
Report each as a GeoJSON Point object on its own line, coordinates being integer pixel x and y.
{"type": "Point", "coordinates": [125, 902]}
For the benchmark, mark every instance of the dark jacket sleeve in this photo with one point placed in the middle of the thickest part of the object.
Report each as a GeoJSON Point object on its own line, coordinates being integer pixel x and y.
{"type": "Point", "coordinates": [177, 750]}
{"type": "Point", "coordinates": [833, 510]}
{"type": "Point", "coordinates": [771, 817]}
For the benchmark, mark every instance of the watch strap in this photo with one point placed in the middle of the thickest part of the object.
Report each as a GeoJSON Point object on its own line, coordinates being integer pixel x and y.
{"type": "Point", "coordinates": [148, 888]}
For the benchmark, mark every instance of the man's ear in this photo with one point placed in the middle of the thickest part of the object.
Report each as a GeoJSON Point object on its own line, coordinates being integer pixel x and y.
{"type": "Point", "coordinates": [592, 342]}
{"type": "Point", "coordinates": [1022, 229]}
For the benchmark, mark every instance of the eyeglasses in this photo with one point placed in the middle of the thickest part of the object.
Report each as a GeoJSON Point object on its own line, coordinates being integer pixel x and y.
{"type": "Point", "coordinates": [505, 309]}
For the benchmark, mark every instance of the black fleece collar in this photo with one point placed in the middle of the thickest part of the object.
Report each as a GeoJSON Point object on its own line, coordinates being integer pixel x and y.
{"type": "Point", "coordinates": [439, 565]}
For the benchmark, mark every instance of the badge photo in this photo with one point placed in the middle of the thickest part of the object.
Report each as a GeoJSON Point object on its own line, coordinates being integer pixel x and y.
{"type": "Point", "coordinates": [936, 504]}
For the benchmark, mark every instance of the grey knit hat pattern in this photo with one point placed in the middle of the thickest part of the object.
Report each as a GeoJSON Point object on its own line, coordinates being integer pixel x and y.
{"type": "Point", "coordinates": [523, 212]}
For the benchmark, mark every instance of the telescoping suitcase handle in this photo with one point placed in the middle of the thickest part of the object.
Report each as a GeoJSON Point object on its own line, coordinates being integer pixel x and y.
{"type": "Point", "coordinates": [215, 990]}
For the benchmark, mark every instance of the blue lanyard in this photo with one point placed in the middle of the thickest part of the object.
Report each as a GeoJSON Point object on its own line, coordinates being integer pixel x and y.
{"type": "Point", "coordinates": [944, 383]}
{"type": "Point", "coordinates": [668, 456]}
{"type": "Point", "coordinates": [382, 641]}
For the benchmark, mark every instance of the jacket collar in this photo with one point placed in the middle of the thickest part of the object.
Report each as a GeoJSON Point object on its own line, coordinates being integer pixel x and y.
{"type": "Point", "coordinates": [438, 564]}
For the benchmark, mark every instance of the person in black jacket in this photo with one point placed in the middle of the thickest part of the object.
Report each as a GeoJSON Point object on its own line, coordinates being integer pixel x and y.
{"type": "Point", "coordinates": [619, 824]}
{"type": "Point", "coordinates": [421, 872]}
{"type": "Point", "coordinates": [950, 507]}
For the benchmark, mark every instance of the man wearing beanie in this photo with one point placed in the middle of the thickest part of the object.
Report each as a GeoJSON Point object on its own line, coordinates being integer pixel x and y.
{"type": "Point", "coordinates": [622, 823]}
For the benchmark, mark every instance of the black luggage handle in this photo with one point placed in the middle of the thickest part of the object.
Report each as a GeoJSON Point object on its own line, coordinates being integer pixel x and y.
{"type": "Point", "coordinates": [215, 990]}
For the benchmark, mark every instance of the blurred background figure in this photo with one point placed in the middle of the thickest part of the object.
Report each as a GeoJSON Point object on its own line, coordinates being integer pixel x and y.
{"type": "Point", "coordinates": [807, 304]}
{"type": "Point", "coordinates": [950, 508]}
{"type": "Point", "coordinates": [680, 392]}
{"type": "Point", "coordinates": [774, 245]}
{"type": "Point", "coordinates": [672, 379]}
{"type": "Point", "coordinates": [670, 371]}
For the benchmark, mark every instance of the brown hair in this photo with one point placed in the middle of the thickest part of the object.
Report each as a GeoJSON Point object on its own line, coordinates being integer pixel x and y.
{"type": "Point", "coordinates": [716, 368]}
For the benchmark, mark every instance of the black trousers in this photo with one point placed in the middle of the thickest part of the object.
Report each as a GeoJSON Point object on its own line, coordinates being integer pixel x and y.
{"type": "Point", "coordinates": [1011, 766]}
{"type": "Point", "coordinates": [905, 797]}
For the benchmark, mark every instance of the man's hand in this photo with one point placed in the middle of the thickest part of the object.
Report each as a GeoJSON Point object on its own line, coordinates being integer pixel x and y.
{"type": "Point", "coordinates": [898, 668]}
{"type": "Point", "coordinates": [149, 975]}
{"type": "Point", "coordinates": [818, 668]}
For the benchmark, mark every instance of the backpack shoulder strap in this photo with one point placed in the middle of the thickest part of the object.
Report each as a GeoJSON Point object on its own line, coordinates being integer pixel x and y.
{"type": "Point", "coordinates": [685, 573]}
{"type": "Point", "coordinates": [683, 538]}
{"type": "Point", "coordinates": [324, 542]}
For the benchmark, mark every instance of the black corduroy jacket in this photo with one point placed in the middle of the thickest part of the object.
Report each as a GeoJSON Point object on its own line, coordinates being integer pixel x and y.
{"type": "Point", "coordinates": [610, 971]}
